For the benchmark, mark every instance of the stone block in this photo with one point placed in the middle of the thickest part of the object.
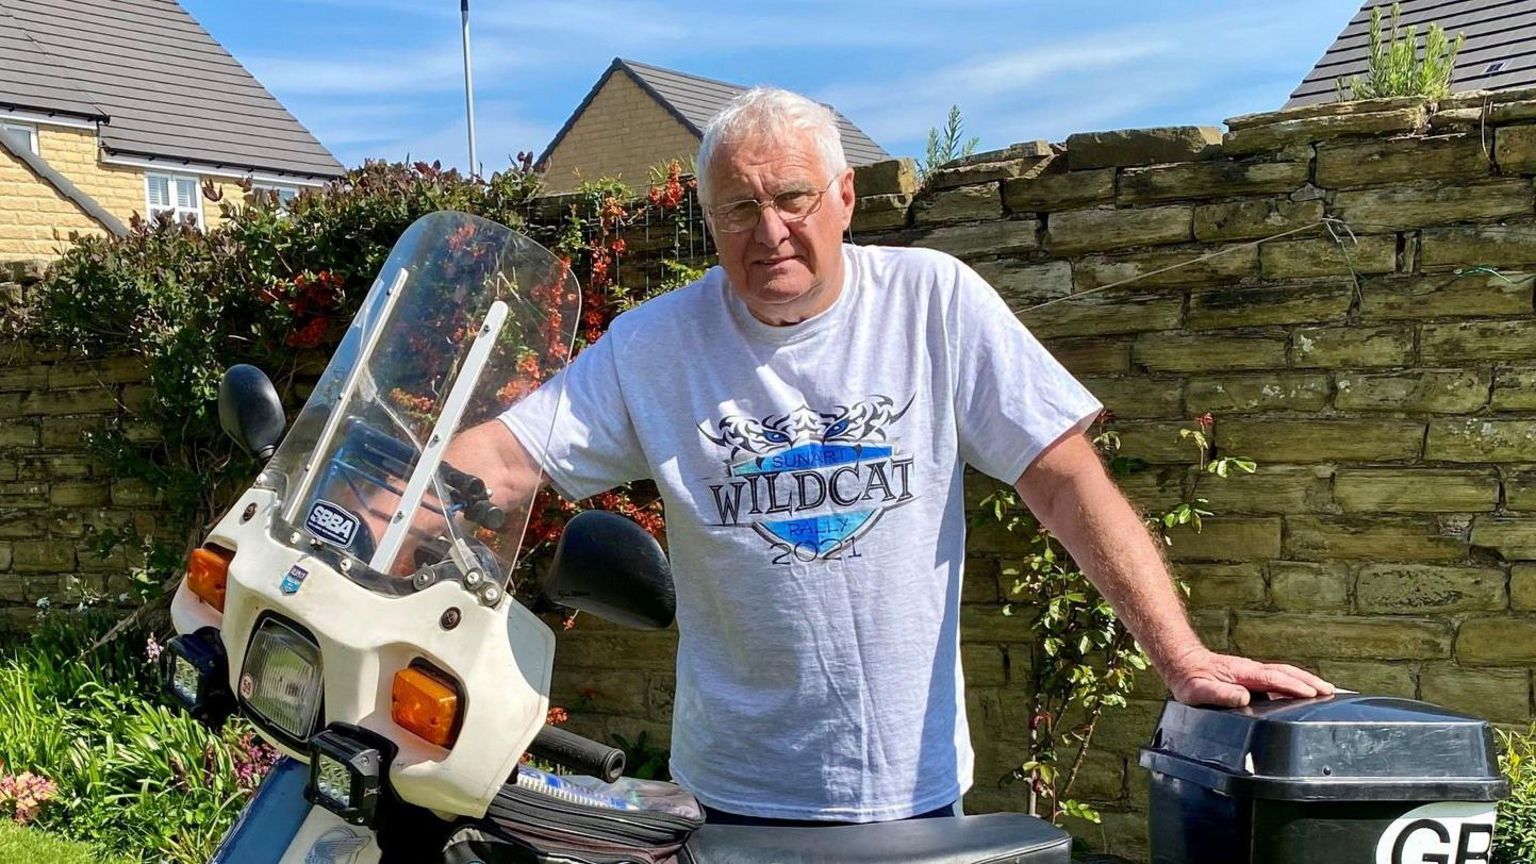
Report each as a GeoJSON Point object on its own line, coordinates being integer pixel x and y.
{"type": "Point", "coordinates": [1274, 391]}
{"type": "Point", "coordinates": [70, 432]}
{"type": "Point", "coordinates": [1184, 352]}
{"type": "Point", "coordinates": [650, 651]}
{"type": "Point", "coordinates": [98, 373]}
{"type": "Point", "coordinates": [954, 176]}
{"type": "Point", "coordinates": [1251, 220]}
{"type": "Point", "coordinates": [1522, 587]}
{"type": "Point", "coordinates": [85, 400]}
{"type": "Point", "coordinates": [1514, 389]}
{"type": "Point", "coordinates": [1515, 149]}
{"type": "Point", "coordinates": [1024, 285]}
{"type": "Point", "coordinates": [1059, 190]}
{"type": "Point", "coordinates": [1323, 256]}
{"type": "Point", "coordinates": [1325, 440]}
{"type": "Point", "coordinates": [1446, 295]}
{"type": "Point", "coordinates": [1214, 179]}
{"type": "Point", "coordinates": [966, 204]}
{"type": "Point", "coordinates": [1484, 245]}
{"type": "Point", "coordinates": [1423, 588]}
{"type": "Point", "coordinates": [1154, 490]}
{"type": "Point", "coordinates": [1387, 679]}
{"type": "Point", "coordinates": [1520, 490]}
{"type": "Point", "coordinates": [990, 238]}
{"type": "Point", "coordinates": [1339, 637]}
{"type": "Point", "coordinates": [1156, 442]}
{"type": "Point", "coordinates": [1150, 268]}
{"type": "Point", "coordinates": [1429, 391]}
{"type": "Point", "coordinates": [984, 665]}
{"type": "Point", "coordinates": [1375, 538]}
{"type": "Point", "coordinates": [1351, 347]}
{"type": "Point", "coordinates": [1128, 148]}
{"type": "Point", "coordinates": [42, 556]}
{"type": "Point", "coordinates": [25, 377]}
{"type": "Point", "coordinates": [18, 433]}
{"type": "Point", "coordinates": [1468, 342]}
{"type": "Point", "coordinates": [1102, 315]}
{"type": "Point", "coordinates": [1227, 538]}
{"type": "Point", "coordinates": [1268, 303]}
{"type": "Point", "coordinates": [1139, 397]}
{"type": "Point", "coordinates": [1099, 228]}
{"type": "Point", "coordinates": [1500, 695]}
{"type": "Point", "coordinates": [1513, 538]}
{"type": "Point", "coordinates": [1082, 356]}
{"type": "Point", "coordinates": [79, 494]}
{"type": "Point", "coordinates": [1480, 440]}
{"type": "Point", "coordinates": [1324, 109]}
{"type": "Point", "coordinates": [887, 177]}
{"type": "Point", "coordinates": [1415, 490]}
{"type": "Point", "coordinates": [1300, 586]}
{"type": "Point", "coordinates": [982, 623]}
{"type": "Point", "coordinates": [1223, 585]}
{"type": "Point", "coordinates": [23, 495]}
{"type": "Point", "coordinates": [1214, 627]}
{"type": "Point", "coordinates": [1341, 165]}
{"type": "Point", "coordinates": [1498, 641]}
{"type": "Point", "coordinates": [599, 691]}
{"type": "Point", "coordinates": [1431, 202]}
{"type": "Point", "coordinates": [1272, 489]}
{"type": "Point", "coordinates": [1311, 130]}
{"type": "Point", "coordinates": [880, 213]}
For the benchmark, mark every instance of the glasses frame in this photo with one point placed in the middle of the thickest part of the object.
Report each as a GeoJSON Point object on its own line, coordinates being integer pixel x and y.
{"type": "Point", "coordinates": [716, 213]}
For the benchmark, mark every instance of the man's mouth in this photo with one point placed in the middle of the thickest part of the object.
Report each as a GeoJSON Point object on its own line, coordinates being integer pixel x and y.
{"type": "Point", "coordinates": [773, 262]}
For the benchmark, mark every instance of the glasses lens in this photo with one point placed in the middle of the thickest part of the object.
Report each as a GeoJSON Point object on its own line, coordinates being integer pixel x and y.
{"type": "Point", "coordinates": [738, 217]}
{"type": "Point", "coordinates": [795, 205]}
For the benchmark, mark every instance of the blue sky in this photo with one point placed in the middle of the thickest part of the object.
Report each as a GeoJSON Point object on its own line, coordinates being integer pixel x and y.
{"type": "Point", "coordinates": [383, 78]}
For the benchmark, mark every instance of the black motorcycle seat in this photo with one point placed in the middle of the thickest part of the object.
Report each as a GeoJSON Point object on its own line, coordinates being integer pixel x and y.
{"type": "Point", "coordinates": [995, 838]}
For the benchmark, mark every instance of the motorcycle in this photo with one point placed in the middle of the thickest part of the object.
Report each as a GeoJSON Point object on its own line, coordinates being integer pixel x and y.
{"type": "Point", "coordinates": [357, 606]}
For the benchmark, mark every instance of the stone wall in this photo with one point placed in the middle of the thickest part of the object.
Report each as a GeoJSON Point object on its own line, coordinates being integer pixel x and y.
{"type": "Point", "coordinates": [1381, 368]}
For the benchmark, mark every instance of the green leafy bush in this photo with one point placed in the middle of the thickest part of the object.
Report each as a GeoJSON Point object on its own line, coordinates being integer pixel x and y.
{"type": "Point", "coordinates": [1396, 66]}
{"type": "Point", "coordinates": [134, 775]}
{"type": "Point", "coordinates": [1515, 832]}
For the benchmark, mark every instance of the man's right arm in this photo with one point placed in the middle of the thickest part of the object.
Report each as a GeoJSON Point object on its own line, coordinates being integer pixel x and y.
{"type": "Point", "coordinates": [491, 452]}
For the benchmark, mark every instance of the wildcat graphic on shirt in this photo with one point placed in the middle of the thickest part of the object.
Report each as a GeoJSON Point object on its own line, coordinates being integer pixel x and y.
{"type": "Point", "coordinates": [809, 482]}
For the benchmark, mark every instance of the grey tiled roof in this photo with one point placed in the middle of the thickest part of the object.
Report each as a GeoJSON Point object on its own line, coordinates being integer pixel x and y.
{"type": "Point", "coordinates": [166, 88]}
{"type": "Point", "coordinates": [694, 100]}
{"type": "Point", "coordinates": [1497, 31]}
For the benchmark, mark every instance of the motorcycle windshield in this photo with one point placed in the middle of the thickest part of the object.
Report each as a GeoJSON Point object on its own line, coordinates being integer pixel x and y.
{"type": "Point", "coordinates": [466, 318]}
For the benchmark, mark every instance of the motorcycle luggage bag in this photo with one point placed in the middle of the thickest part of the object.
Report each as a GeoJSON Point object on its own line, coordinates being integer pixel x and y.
{"type": "Point", "coordinates": [527, 826]}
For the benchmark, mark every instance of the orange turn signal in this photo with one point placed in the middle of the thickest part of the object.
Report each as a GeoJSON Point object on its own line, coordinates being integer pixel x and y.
{"type": "Point", "coordinates": [426, 702]}
{"type": "Point", "coordinates": [208, 574]}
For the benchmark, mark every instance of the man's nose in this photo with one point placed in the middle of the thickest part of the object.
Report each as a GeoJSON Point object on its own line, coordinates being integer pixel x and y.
{"type": "Point", "coordinates": [771, 229]}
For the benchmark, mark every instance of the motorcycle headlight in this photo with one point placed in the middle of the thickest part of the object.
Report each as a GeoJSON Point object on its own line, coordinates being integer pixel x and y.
{"type": "Point", "coordinates": [282, 682]}
{"type": "Point", "coordinates": [347, 768]}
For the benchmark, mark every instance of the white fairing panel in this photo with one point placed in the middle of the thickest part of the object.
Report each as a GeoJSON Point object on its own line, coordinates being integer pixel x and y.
{"type": "Point", "coordinates": [326, 839]}
{"type": "Point", "coordinates": [501, 657]}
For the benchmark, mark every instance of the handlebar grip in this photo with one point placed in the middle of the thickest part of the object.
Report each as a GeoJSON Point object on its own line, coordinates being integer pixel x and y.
{"type": "Point", "coordinates": [582, 755]}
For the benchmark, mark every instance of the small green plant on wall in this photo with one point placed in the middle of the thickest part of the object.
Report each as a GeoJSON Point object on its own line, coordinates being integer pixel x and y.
{"type": "Point", "coordinates": [1084, 661]}
{"type": "Point", "coordinates": [1396, 66]}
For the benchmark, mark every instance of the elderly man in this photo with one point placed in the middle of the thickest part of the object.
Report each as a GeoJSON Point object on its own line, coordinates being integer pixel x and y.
{"type": "Point", "coordinates": [806, 410]}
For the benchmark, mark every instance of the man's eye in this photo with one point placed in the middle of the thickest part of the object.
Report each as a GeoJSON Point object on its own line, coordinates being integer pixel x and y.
{"type": "Point", "coordinates": [793, 202]}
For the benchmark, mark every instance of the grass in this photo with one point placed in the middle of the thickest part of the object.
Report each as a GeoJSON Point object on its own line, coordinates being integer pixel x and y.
{"type": "Point", "coordinates": [22, 845]}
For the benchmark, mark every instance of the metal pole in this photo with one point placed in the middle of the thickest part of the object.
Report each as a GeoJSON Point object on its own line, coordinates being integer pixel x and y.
{"type": "Point", "coordinates": [469, 91]}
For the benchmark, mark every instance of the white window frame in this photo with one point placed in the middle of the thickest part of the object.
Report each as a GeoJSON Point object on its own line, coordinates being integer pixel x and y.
{"type": "Point", "coordinates": [30, 129]}
{"type": "Point", "coordinates": [171, 180]}
{"type": "Point", "coordinates": [280, 188]}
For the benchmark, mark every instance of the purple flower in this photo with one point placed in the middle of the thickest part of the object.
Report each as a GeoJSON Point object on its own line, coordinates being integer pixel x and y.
{"type": "Point", "coordinates": [152, 649]}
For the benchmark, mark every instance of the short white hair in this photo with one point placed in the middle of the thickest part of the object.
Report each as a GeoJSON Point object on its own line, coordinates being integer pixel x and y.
{"type": "Point", "coordinates": [769, 114]}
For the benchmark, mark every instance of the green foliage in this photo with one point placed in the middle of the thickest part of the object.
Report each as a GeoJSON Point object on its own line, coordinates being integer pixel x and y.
{"type": "Point", "coordinates": [1515, 830]}
{"type": "Point", "coordinates": [947, 144]}
{"type": "Point", "coordinates": [1396, 66]}
{"type": "Point", "coordinates": [135, 776]}
{"type": "Point", "coordinates": [1083, 660]}
{"type": "Point", "coordinates": [643, 759]}
{"type": "Point", "coordinates": [20, 845]}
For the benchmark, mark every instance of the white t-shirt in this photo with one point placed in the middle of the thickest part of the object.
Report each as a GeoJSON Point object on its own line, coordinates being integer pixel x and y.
{"type": "Point", "coordinates": [811, 476]}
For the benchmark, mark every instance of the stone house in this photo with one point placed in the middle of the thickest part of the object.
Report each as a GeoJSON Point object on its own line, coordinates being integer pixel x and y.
{"type": "Point", "coordinates": [638, 116]}
{"type": "Point", "coordinates": [111, 109]}
{"type": "Point", "coordinates": [1499, 54]}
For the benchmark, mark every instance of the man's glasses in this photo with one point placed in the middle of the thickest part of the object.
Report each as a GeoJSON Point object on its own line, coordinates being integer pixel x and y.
{"type": "Point", "coordinates": [792, 206]}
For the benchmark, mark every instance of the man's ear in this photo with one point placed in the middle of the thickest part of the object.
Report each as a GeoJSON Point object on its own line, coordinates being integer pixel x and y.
{"type": "Point", "coordinates": [847, 195]}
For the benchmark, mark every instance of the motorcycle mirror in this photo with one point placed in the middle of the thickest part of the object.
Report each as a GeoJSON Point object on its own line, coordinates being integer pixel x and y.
{"type": "Point", "coordinates": [609, 566]}
{"type": "Point", "coordinates": [250, 411]}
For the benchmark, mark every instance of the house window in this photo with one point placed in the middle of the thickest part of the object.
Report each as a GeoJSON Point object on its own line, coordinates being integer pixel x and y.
{"type": "Point", "coordinates": [176, 194]}
{"type": "Point", "coordinates": [23, 133]}
{"type": "Point", "coordinates": [285, 194]}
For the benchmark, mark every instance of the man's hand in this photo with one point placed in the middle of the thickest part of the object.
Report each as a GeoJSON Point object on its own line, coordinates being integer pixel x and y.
{"type": "Point", "coordinates": [1203, 677]}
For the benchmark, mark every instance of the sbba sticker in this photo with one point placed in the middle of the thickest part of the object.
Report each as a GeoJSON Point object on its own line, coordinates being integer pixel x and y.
{"type": "Point", "coordinates": [331, 523]}
{"type": "Point", "coordinates": [1451, 832]}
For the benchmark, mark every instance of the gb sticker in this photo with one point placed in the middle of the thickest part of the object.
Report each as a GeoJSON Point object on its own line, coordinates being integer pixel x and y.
{"type": "Point", "coordinates": [331, 523]}
{"type": "Point", "coordinates": [292, 581]}
{"type": "Point", "coordinates": [1452, 832]}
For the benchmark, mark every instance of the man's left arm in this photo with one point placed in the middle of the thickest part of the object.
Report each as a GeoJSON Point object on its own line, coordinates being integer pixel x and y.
{"type": "Point", "coordinates": [1068, 490]}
